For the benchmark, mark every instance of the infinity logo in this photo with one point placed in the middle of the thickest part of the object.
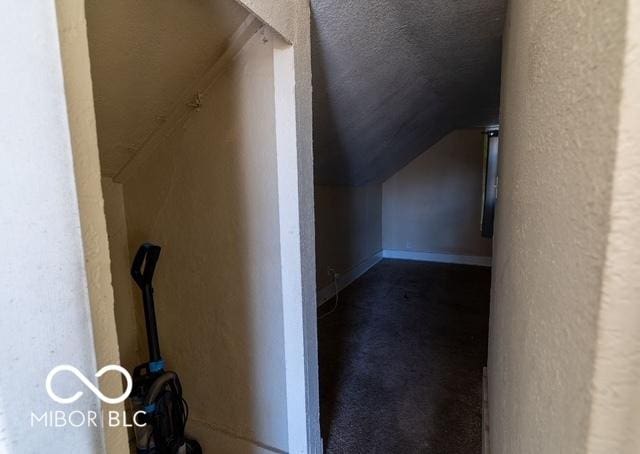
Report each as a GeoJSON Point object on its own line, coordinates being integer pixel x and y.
{"type": "Point", "coordinates": [88, 384]}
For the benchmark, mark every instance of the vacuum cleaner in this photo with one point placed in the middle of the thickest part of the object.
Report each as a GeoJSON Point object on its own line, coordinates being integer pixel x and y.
{"type": "Point", "coordinates": [156, 391]}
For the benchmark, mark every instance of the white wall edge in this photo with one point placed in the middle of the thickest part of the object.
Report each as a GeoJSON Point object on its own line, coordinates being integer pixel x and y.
{"type": "Point", "coordinates": [294, 142]}
{"type": "Point", "coordinates": [435, 257]}
{"type": "Point", "coordinates": [345, 279]}
{"type": "Point", "coordinates": [44, 226]}
{"type": "Point", "coordinates": [485, 412]}
{"type": "Point", "coordinates": [291, 250]}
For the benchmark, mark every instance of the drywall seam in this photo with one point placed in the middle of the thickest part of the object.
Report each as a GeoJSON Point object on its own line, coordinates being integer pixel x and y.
{"type": "Point", "coordinates": [615, 408]}
{"type": "Point", "coordinates": [74, 49]}
{"type": "Point", "coordinates": [190, 99]}
{"type": "Point", "coordinates": [436, 257]}
{"type": "Point", "coordinates": [235, 436]}
{"type": "Point", "coordinates": [345, 279]}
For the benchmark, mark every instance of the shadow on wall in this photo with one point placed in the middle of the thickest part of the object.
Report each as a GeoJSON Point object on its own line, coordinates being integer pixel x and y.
{"type": "Point", "coordinates": [348, 228]}
{"type": "Point", "coordinates": [128, 323]}
{"type": "Point", "coordinates": [208, 196]}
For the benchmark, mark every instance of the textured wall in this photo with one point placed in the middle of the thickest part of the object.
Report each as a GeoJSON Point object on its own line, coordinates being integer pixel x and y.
{"type": "Point", "coordinates": [144, 57]}
{"type": "Point", "coordinates": [348, 227]}
{"type": "Point", "coordinates": [615, 418]}
{"type": "Point", "coordinates": [392, 77]}
{"type": "Point", "coordinates": [208, 196]}
{"type": "Point", "coordinates": [74, 49]}
{"type": "Point", "coordinates": [48, 292]}
{"type": "Point", "coordinates": [559, 119]}
{"type": "Point", "coordinates": [434, 204]}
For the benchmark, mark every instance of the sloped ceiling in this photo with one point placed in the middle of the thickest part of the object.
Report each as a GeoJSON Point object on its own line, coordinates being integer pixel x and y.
{"type": "Point", "coordinates": [391, 77]}
{"type": "Point", "coordinates": [144, 54]}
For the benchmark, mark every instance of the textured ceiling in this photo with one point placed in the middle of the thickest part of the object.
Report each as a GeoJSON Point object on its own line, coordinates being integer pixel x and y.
{"type": "Point", "coordinates": [144, 54]}
{"type": "Point", "coordinates": [391, 77]}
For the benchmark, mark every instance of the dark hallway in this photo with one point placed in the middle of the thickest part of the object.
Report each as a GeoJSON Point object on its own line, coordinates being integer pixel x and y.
{"type": "Point", "coordinates": [401, 360]}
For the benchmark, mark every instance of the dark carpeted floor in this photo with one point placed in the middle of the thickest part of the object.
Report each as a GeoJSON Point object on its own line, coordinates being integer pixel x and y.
{"type": "Point", "coordinates": [401, 360]}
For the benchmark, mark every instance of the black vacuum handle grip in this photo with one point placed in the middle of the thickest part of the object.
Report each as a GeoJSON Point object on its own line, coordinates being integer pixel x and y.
{"type": "Point", "coordinates": [147, 254]}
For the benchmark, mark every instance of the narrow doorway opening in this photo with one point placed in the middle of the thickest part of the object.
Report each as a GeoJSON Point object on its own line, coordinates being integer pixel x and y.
{"type": "Point", "coordinates": [403, 105]}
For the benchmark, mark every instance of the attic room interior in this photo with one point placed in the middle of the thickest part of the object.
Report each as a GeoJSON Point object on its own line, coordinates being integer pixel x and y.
{"type": "Point", "coordinates": [401, 123]}
{"type": "Point", "coordinates": [321, 180]}
{"type": "Point", "coordinates": [187, 118]}
{"type": "Point", "coordinates": [308, 226]}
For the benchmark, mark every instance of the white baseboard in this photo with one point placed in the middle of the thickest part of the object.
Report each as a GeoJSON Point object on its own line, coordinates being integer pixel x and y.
{"type": "Point", "coordinates": [434, 257]}
{"type": "Point", "coordinates": [225, 440]}
{"type": "Point", "coordinates": [326, 293]}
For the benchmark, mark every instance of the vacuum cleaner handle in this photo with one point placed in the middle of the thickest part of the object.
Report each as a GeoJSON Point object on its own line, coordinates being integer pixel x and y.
{"type": "Point", "coordinates": [148, 255]}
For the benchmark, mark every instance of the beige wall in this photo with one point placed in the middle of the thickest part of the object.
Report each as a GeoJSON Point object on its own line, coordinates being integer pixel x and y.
{"type": "Point", "coordinates": [348, 228]}
{"type": "Point", "coordinates": [208, 196]}
{"type": "Point", "coordinates": [561, 93]}
{"type": "Point", "coordinates": [615, 417]}
{"type": "Point", "coordinates": [434, 203]}
{"type": "Point", "coordinates": [79, 97]}
{"type": "Point", "coordinates": [56, 298]}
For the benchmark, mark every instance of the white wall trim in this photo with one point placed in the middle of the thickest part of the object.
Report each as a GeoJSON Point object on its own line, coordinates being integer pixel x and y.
{"type": "Point", "coordinates": [290, 246]}
{"type": "Point", "coordinates": [300, 350]}
{"type": "Point", "coordinates": [294, 144]}
{"type": "Point", "coordinates": [227, 440]}
{"type": "Point", "coordinates": [435, 257]}
{"type": "Point", "coordinates": [280, 15]}
{"type": "Point", "coordinates": [346, 278]}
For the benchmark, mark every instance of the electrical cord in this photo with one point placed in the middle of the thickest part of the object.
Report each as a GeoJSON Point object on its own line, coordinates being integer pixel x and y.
{"type": "Point", "coordinates": [185, 413]}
